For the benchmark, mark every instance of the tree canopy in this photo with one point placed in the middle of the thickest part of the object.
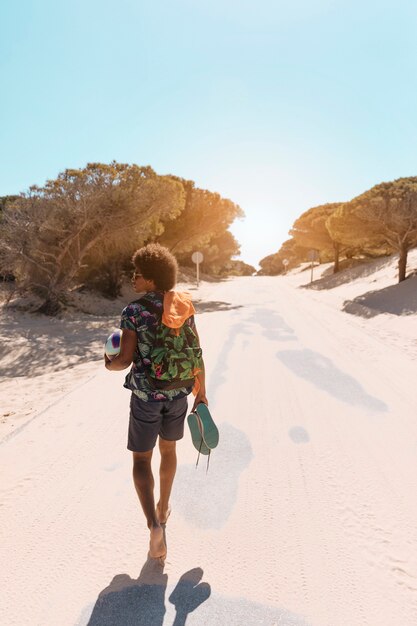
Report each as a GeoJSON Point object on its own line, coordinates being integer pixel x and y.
{"type": "Point", "coordinates": [375, 223]}
{"type": "Point", "coordinates": [4, 200]}
{"type": "Point", "coordinates": [290, 251]}
{"type": "Point", "coordinates": [310, 231]}
{"type": "Point", "coordinates": [49, 233]}
{"type": "Point", "coordinates": [84, 226]}
{"type": "Point", "coordinates": [385, 215]}
{"type": "Point", "coordinates": [205, 215]}
{"type": "Point", "coordinates": [217, 253]}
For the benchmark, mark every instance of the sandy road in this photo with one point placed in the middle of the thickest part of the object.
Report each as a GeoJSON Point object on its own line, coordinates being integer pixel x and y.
{"type": "Point", "coordinates": [306, 516]}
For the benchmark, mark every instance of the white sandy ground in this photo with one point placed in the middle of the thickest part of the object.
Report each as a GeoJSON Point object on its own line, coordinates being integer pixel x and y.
{"type": "Point", "coordinates": [308, 514]}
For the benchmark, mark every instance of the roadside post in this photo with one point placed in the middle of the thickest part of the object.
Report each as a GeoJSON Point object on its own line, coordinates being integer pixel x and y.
{"type": "Point", "coordinates": [313, 256]}
{"type": "Point", "coordinates": [197, 258]}
{"type": "Point", "coordinates": [285, 263]}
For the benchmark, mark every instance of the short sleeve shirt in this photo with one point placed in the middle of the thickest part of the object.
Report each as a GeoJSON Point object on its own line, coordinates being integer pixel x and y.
{"type": "Point", "coordinates": [137, 316]}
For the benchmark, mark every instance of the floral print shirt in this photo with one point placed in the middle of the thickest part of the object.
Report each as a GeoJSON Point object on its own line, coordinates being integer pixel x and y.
{"type": "Point", "coordinates": [136, 316]}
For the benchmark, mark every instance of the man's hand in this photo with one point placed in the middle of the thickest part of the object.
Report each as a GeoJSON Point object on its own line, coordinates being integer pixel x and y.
{"type": "Point", "coordinates": [200, 397]}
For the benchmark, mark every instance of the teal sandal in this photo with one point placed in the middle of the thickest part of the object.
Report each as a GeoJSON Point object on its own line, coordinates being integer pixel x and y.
{"type": "Point", "coordinates": [204, 432]}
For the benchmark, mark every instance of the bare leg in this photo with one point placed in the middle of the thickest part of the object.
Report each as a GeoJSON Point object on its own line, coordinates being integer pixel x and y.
{"type": "Point", "coordinates": [167, 471]}
{"type": "Point", "coordinates": [144, 485]}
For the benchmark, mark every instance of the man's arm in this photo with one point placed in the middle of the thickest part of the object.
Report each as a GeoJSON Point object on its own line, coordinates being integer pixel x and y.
{"type": "Point", "coordinates": [127, 350]}
{"type": "Point", "coordinates": [201, 378]}
{"type": "Point", "coordinates": [201, 393]}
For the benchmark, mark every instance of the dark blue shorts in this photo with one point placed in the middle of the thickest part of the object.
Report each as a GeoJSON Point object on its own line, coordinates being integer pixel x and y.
{"type": "Point", "coordinates": [150, 419]}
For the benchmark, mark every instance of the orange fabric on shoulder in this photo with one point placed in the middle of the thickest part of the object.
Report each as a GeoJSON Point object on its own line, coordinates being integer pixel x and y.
{"type": "Point", "coordinates": [177, 308]}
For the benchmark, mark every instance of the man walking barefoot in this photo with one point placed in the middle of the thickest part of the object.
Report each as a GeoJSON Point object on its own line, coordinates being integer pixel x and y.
{"type": "Point", "coordinates": [154, 413]}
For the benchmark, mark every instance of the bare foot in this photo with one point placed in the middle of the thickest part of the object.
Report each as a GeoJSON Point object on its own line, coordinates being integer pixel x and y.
{"type": "Point", "coordinates": [157, 547]}
{"type": "Point", "coordinates": [162, 515]}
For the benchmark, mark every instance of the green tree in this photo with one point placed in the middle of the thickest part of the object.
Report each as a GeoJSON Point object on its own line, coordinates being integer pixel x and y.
{"type": "Point", "coordinates": [205, 215]}
{"type": "Point", "coordinates": [310, 231]}
{"type": "Point", "coordinates": [217, 254]}
{"type": "Point", "coordinates": [4, 200]}
{"type": "Point", "coordinates": [235, 267]}
{"type": "Point", "coordinates": [290, 251]}
{"type": "Point", "coordinates": [50, 232]}
{"type": "Point", "coordinates": [5, 269]}
{"type": "Point", "coordinates": [385, 215]}
{"type": "Point", "coordinates": [271, 265]}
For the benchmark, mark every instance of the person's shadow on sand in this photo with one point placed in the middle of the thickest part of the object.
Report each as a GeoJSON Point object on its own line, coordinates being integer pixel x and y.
{"type": "Point", "coordinates": [141, 602]}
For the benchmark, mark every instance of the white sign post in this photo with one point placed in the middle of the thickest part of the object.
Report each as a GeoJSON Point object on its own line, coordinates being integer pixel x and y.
{"type": "Point", "coordinates": [313, 255]}
{"type": "Point", "coordinates": [197, 258]}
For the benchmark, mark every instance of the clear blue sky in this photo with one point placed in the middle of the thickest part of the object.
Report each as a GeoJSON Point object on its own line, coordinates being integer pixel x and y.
{"type": "Point", "coordinates": [278, 105]}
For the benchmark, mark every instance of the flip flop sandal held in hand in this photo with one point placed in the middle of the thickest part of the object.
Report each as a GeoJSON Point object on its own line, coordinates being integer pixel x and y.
{"type": "Point", "coordinates": [204, 432]}
{"type": "Point", "coordinates": [209, 429]}
{"type": "Point", "coordinates": [195, 426]}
